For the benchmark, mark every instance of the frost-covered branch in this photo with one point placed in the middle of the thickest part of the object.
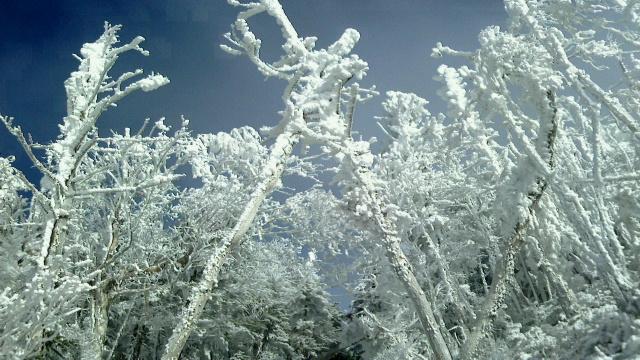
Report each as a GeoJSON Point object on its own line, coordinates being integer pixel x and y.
{"type": "Point", "coordinates": [158, 180]}
{"type": "Point", "coordinates": [84, 106]}
{"type": "Point", "coordinates": [17, 132]}
{"type": "Point", "coordinates": [550, 39]}
{"type": "Point", "coordinates": [498, 291]}
{"type": "Point", "coordinates": [312, 80]}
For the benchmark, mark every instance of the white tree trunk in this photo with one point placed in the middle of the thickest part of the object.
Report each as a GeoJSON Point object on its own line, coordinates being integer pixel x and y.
{"type": "Point", "coordinates": [403, 270]}
{"type": "Point", "coordinates": [94, 346]}
{"type": "Point", "coordinates": [505, 268]}
{"type": "Point", "coordinates": [398, 259]}
{"type": "Point", "coordinates": [271, 175]}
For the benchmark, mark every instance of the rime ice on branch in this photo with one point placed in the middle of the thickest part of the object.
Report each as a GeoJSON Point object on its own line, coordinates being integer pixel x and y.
{"type": "Point", "coordinates": [313, 76]}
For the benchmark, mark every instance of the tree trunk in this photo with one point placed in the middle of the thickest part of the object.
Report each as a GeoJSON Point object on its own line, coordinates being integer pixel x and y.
{"type": "Point", "coordinates": [94, 346]}
{"type": "Point", "coordinates": [271, 175]}
{"type": "Point", "coordinates": [400, 263]}
{"type": "Point", "coordinates": [506, 267]}
{"type": "Point", "coordinates": [403, 270]}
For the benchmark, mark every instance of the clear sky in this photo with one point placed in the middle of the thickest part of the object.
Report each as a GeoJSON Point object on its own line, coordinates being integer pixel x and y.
{"type": "Point", "coordinates": [214, 90]}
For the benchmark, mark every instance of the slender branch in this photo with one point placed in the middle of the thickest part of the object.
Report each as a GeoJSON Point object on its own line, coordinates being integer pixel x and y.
{"type": "Point", "coordinates": [144, 185]}
{"type": "Point", "coordinates": [17, 132]}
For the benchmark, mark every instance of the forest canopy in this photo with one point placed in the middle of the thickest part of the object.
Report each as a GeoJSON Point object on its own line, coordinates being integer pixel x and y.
{"type": "Point", "coordinates": [506, 228]}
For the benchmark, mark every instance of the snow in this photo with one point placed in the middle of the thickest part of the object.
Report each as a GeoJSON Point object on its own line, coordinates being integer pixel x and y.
{"type": "Point", "coordinates": [455, 91]}
{"type": "Point", "coordinates": [152, 82]}
{"type": "Point", "coordinates": [507, 228]}
{"type": "Point", "coordinates": [345, 44]}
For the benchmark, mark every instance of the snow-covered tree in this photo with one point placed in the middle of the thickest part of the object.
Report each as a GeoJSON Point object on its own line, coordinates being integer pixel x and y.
{"type": "Point", "coordinates": [508, 227]}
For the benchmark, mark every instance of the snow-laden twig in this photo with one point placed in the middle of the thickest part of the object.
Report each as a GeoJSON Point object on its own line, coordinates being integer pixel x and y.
{"type": "Point", "coordinates": [549, 38]}
{"type": "Point", "coordinates": [17, 132]}
{"type": "Point", "coordinates": [158, 180]}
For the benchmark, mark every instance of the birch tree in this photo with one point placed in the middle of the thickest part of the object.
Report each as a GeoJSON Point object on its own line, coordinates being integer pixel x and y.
{"type": "Point", "coordinates": [506, 75]}
{"type": "Point", "coordinates": [310, 75]}
{"type": "Point", "coordinates": [502, 106]}
{"type": "Point", "coordinates": [70, 168]}
{"type": "Point", "coordinates": [507, 227]}
{"type": "Point", "coordinates": [324, 124]}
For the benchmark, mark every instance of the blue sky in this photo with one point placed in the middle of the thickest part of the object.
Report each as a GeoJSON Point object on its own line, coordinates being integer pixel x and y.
{"type": "Point", "coordinates": [215, 90]}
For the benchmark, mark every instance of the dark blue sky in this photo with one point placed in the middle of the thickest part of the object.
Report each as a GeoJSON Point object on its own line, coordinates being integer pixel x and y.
{"type": "Point", "coordinates": [215, 90]}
